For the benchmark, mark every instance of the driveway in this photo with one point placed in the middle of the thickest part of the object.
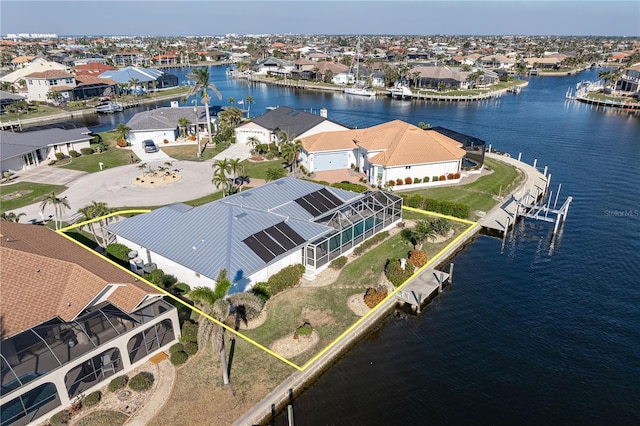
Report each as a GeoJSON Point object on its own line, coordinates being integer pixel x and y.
{"type": "Point", "coordinates": [49, 175]}
{"type": "Point", "coordinates": [237, 150]}
{"type": "Point", "coordinates": [149, 157]}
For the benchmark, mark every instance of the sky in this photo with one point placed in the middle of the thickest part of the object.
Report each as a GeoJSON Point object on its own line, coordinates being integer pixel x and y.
{"type": "Point", "coordinates": [426, 17]}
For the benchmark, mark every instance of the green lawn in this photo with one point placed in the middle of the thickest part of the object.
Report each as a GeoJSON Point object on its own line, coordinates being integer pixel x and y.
{"type": "Point", "coordinates": [22, 194]}
{"type": "Point", "coordinates": [479, 195]}
{"type": "Point", "coordinates": [259, 170]}
{"type": "Point", "coordinates": [188, 152]}
{"type": "Point", "coordinates": [112, 157]}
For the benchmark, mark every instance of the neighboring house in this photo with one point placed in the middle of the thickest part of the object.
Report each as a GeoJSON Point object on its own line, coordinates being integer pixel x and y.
{"type": "Point", "coordinates": [129, 59]}
{"type": "Point", "coordinates": [255, 233]}
{"type": "Point", "coordinates": [162, 124]}
{"type": "Point", "coordinates": [93, 69]}
{"type": "Point", "coordinates": [548, 63]}
{"type": "Point", "coordinates": [39, 84]}
{"type": "Point", "coordinates": [22, 61]}
{"type": "Point", "coordinates": [88, 86]}
{"type": "Point", "coordinates": [38, 65]}
{"type": "Point", "coordinates": [496, 62]}
{"type": "Point", "coordinates": [71, 321]}
{"type": "Point", "coordinates": [25, 150]}
{"type": "Point", "coordinates": [274, 66]}
{"type": "Point", "coordinates": [388, 151]}
{"type": "Point", "coordinates": [630, 80]}
{"type": "Point", "coordinates": [298, 124]}
{"type": "Point", "coordinates": [146, 77]}
{"type": "Point", "coordinates": [7, 98]}
{"type": "Point", "coordinates": [433, 77]}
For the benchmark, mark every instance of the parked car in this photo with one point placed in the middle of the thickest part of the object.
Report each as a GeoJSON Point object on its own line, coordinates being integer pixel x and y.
{"type": "Point", "coordinates": [149, 146]}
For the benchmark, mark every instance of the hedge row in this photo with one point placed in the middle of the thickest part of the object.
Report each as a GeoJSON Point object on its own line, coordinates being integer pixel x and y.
{"type": "Point", "coordinates": [444, 207]}
{"type": "Point", "coordinates": [380, 236]}
{"type": "Point", "coordinates": [287, 277]}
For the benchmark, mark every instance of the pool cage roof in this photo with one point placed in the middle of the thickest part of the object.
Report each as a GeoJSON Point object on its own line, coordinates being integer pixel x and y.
{"type": "Point", "coordinates": [370, 204]}
{"type": "Point", "coordinates": [37, 351]}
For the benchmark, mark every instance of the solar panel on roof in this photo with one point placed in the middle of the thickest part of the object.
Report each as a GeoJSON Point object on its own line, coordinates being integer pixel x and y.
{"type": "Point", "coordinates": [318, 202]}
{"type": "Point", "coordinates": [259, 249]}
{"type": "Point", "coordinates": [269, 243]}
{"type": "Point", "coordinates": [330, 196]}
{"type": "Point", "coordinates": [280, 237]}
{"type": "Point", "coordinates": [305, 204]}
{"type": "Point", "coordinates": [293, 235]}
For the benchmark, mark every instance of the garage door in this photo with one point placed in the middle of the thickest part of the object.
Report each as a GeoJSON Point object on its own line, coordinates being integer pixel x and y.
{"type": "Point", "coordinates": [332, 161]}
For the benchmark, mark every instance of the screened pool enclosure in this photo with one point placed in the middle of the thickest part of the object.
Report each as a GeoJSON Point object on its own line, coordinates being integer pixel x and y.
{"type": "Point", "coordinates": [353, 223]}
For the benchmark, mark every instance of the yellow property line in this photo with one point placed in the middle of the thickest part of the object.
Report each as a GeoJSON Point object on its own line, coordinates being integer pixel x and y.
{"type": "Point", "coordinates": [242, 336]}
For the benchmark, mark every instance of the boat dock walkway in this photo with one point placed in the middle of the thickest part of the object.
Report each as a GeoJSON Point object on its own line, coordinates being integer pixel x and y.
{"type": "Point", "coordinates": [418, 291]}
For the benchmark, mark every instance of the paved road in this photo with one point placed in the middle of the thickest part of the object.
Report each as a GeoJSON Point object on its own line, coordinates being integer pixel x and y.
{"type": "Point", "coordinates": [115, 187]}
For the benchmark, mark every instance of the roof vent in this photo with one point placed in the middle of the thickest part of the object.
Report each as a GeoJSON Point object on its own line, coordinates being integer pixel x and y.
{"type": "Point", "coordinates": [241, 215]}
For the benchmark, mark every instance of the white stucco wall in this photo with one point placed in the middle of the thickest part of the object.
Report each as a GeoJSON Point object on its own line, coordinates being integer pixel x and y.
{"type": "Point", "coordinates": [417, 171]}
{"type": "Point", "coordinates": [244, 132]}
{"type": "Point", "coordinates": [158, 136]}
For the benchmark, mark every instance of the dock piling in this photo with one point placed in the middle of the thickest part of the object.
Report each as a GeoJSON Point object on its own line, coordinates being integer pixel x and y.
{"type": "Point", "coordinates": [450, 273]}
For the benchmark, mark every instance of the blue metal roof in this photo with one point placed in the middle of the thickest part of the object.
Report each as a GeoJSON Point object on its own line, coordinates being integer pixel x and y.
{"type": "Point", "coordinates": [210, 237]}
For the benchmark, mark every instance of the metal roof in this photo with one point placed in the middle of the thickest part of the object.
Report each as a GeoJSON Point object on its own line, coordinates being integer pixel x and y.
{"type": "Point", "coordinates": [292, 121]}
{"type": "Point", "coordinates": [124, 75]}
{"type": "Point", "coordinates": [210, 237]}
{"type": "Point", "coordinates": [166, 118]}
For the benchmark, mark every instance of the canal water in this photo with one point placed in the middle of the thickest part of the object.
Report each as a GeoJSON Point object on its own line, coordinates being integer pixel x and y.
{"type": "Point", "coordinates": [546, 331]}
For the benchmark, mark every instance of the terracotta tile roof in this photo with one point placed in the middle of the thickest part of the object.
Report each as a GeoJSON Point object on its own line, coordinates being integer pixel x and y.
{"type": "Point", "coordinates": [397, 143]}
{"type": "Point", "coordinates": [82, 80]}
{"type": "Point", "coordinates": [49, 74]}
{"type": "Point", "coordinates": [21, 59]}
{"type": "Point", "coordinates": [94, 67]}
{"type": "Point", "coordinates": [44, 276]}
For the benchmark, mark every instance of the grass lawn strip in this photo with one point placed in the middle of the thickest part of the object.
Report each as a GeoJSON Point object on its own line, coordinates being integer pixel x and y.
{"type": "Point", "coordinates": [30, 193]}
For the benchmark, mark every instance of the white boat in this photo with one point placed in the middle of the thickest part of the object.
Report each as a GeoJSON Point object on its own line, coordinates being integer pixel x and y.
{"type": "Point", "coordinates": [109, 107]}
{"type": "Point", "coordinates": [355, 89]}
{"type": "Point", "coordinates": [400, 91]}
{"type": "Point", "coordinates": [359, 91]}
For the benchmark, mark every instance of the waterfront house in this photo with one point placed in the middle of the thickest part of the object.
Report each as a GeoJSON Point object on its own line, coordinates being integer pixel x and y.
{"type": "Point", "coordinates": [255, 233]}
{"type": "Point", "coordinates": [145, 77]}
{"type": "Point", "coordinates": [629, 82]}
{"type": "Point", "coordinates": [274, 66]}
{"type": "Point", "coordinates": [38, 65]}
{"type": "Point", "coordinates": [25, 150]}
{"type": "Point", "coordinates": [298, 124]}
{"type": "Point", "coordinates": [163, 124]}
{"type": "Point", "coordinates": [387, 152]}
{"type": "Point", "coordinates": [8, 98]}
{"type": "Point", "coordinates": [132, 58]}
{"type": "Point", "coordinates": [71, 321]}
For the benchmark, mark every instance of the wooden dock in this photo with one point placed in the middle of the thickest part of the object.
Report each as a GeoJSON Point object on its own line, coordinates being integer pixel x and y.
{"type": "Point", "coordinates": [420, 289]}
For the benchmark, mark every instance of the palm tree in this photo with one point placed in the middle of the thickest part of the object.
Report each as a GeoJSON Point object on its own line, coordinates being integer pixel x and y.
{"type": "Point", "coordinates": [290, 154]}
{"type": "Point", "coordinates": [235, 167]}
{"type": "Point", "coordinates": [231, 101]}
{"type": "Point", "coordinates": [274, 173]}
{"type": "Point", "coordinates": [220, 180]}
{"type": "Point", "coordinates": [54, 96]}
{"type": "Point", "coordinates": [11, 217]}
{"type": "Point", "coordinates": [253, 142]}
{"type": "Point", "coordinates": [249, 100]}
{"type": "Point", "coordinates": [284, 138]}
{"type": "Point", "coordinates": [183, 122]}
{"type": "Point", "coordinates": [422, 231]}
{"type": "Point", "coordinates": [59, 205]}
{"type": "Point", "coordinates": [132, 83]}
{"type": "Point", "coordinates": [122, 131]}
{"type": "Point", "coordinates": [201, 78]}
{"type": "Point", "coordinates": [87, 215]}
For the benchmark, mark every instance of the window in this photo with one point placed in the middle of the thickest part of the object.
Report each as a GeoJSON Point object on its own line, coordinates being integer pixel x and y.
{"type": "Point", "coordinates": [30, 405]}
{"type": "Point", "coordinates": [92, 371]}
{"type": "Point", "coordinates": [407, 167]}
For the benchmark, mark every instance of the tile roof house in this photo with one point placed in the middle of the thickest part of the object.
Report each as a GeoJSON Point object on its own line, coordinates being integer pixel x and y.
{"type": "Point", "coordinates": [390, 151]}
{"type": "Point", "coordinates": [38, 65]}
{"type": "Point", "coordinates": [296, 123]}
{"type": "Point", "coordinates": [255, 233]}
{"type": "Point", "coordinates": [70, 321]}
{"type": "Point", "coordinates": [39, 84]}
{"type": "Point", "coordinates": [25, 150]}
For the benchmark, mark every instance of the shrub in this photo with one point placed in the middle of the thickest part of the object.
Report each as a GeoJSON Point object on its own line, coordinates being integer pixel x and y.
{"type": "Point", "coordinates": [176, 347]}
{"type": "Point", "coordinates": [354, 187]}
{"type": "Point", "coordinates": [59, 155]}
{"type": "Point", "coordinates": [392, 182]}
{"type": "Point", "coordinates": [178, 358]}
{"type": "Point", "coordinates": [52, 162]}
{"type": "Point", "coordinates": [370, 242]}
{"type": "Point", "coordinates": [417, 180]}
{"type": "Point", "coordinates": [86, 151]}
{"type": "Point", "coordinates": [338, 263]}
{"type": "Point", "coordinates": [408, 180]}
{"type": "Point", "coordinates": [442, 177]}
{"type": "Point", "coordinates": [304, 330]}
{"type": "Point", "coordinates": [181, 288]}
{"type": "Point", "coordinates": [435, 178]}
{"type": "Point", "coordinates": [73, 153]}
{"type": "Point", "coordinates": [261, 290]}
{"type": "Point", "coordinates": [118, 251]}
{"type": "Point", "coordinates": [398, 181]}
{"type": "Point", "coordinates": [141, 382]}
{"type": "Point", "coordinates": [60, 418]}
{"type": "Point", "coordinates": [165, 141]}
{"type": "Point", "coordinates": [162, 280]}
{"type": "Point", "coordinates": [121, 142]}
{"type": "Point", "coordinates": [92, 399]}
{"type": "Point", "coordinates": [425, 179]}
{"type": "Point", "coordinates": [189, 332]}
{"type": "Point", "coordinates": [373, 296]}
{"type": "Point", "coordinates": [191, 348]}
{"type": "Point", "coordinates": [456, 176]}
{"type": "Point", "coordinates": [287, 277]}
{"type": "Point", "coordinates": [118, 383]}
{"type": "Point", "coordinates": [418, 258]}
{"type": "Point", "coordinates": [395, 273]}
{"type": "Point", "coordinates": [450, 176]}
